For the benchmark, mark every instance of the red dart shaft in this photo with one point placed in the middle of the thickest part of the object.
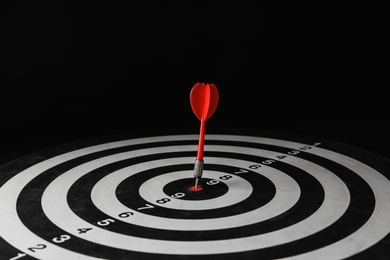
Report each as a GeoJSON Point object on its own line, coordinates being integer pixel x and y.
{"type": "Point", "coordinates": [201, 139]}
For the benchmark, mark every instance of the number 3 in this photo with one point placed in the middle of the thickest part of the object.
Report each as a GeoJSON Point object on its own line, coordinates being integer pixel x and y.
{"type": "Point", "coordinates": [61, 239]}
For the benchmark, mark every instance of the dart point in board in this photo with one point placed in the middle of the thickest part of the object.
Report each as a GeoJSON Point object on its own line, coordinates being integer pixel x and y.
{"type": "Point", "coordinates": [204, 101]}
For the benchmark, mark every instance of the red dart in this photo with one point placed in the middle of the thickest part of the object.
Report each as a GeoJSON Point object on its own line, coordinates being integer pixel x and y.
{"type": "Point", "coordinates": [204, 101]}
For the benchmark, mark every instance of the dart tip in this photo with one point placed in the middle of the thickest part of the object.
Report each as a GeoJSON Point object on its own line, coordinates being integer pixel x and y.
{"type": "Point", "coordinates": [196, 187]}
{"type": "Point", "coordinates": [198, 171]}
{"type": "Point", "coordinates": [196, 183]}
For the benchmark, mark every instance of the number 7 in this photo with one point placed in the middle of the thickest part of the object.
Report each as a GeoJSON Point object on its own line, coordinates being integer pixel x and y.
{"type": "Point", "coordinates": [147, 206]}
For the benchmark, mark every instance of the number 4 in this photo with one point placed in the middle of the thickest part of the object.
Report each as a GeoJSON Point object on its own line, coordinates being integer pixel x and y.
{"type": "Point", "coordinates": [84, 230]}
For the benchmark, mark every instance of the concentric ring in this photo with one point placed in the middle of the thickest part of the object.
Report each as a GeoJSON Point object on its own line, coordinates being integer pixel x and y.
{"type": "Point", "coordinates": [277, 161]}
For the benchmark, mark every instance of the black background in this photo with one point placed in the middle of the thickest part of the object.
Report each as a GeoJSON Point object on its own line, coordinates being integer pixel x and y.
{"type": "Point", "coordinates": [75, 70]}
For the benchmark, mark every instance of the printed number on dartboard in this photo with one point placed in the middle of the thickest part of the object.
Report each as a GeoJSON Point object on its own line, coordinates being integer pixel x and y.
{"type": "Point", "coordinates": [39, 247]}
{"type": "Point", "coordinates": [268, 162]}
{"type": "Point", "coordinates": [222, 178]}
{"type": "Point", "coordinates": [162, 201]}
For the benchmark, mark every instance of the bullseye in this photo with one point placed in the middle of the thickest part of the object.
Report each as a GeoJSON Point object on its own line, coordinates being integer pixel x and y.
{"type": "Point", "coordinates": [195, 189]}
{"type": "Point", "coordinates": [209, 191]}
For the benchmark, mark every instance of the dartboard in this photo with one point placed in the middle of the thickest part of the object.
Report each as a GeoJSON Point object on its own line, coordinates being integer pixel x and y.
{"type": "Point", "coordinates": [262, 196]}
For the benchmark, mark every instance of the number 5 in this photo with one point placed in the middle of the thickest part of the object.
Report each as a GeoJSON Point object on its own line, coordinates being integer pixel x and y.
{"type": "Point", "coordinates": [105, 222]}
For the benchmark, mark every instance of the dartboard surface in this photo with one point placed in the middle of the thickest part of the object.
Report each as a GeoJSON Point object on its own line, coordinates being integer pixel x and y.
{"type": "Point", "coordinates": [264, 196]}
